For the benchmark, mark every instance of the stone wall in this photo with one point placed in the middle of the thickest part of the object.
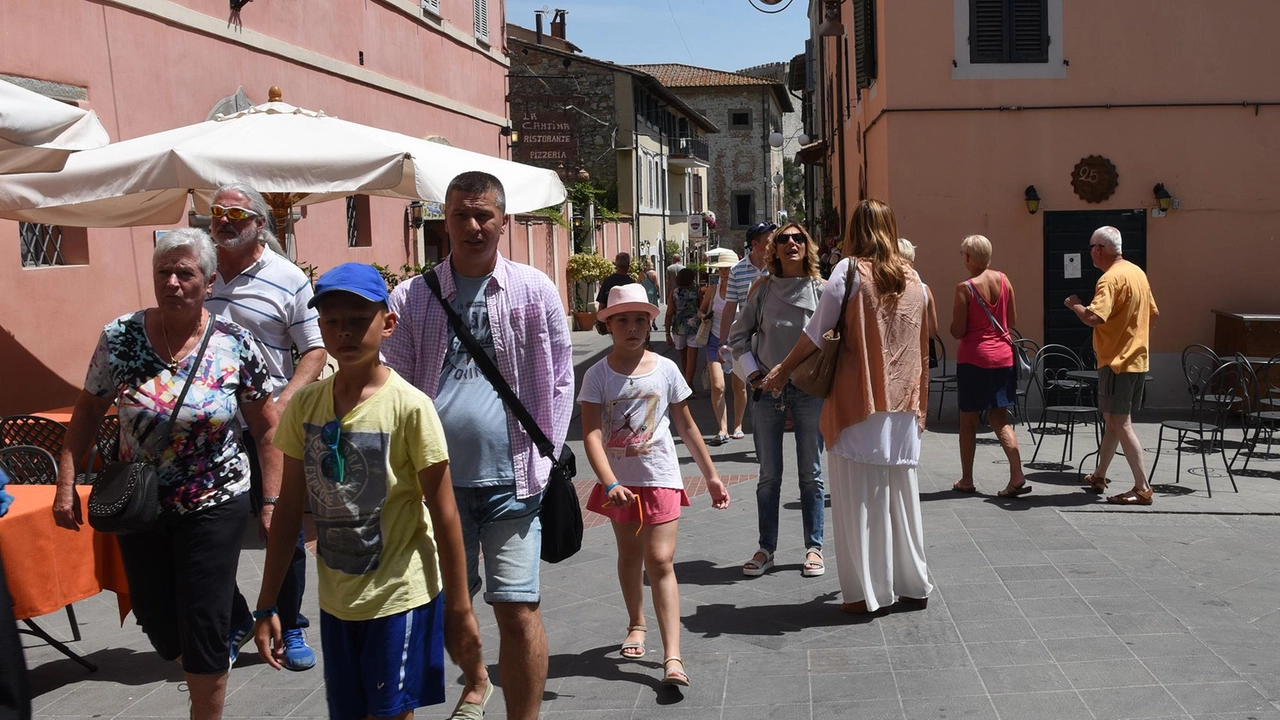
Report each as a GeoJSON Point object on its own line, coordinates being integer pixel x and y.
{"type": "Point", "coordinates": [540, 82]}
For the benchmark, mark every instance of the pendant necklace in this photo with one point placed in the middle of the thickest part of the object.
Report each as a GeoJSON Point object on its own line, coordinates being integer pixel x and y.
{"type": "Point", "coordinates": [174, 361]}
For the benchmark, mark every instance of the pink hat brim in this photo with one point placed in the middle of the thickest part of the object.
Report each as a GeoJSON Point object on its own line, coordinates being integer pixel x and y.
{"type": "Point", "coordinates": [644, 307]}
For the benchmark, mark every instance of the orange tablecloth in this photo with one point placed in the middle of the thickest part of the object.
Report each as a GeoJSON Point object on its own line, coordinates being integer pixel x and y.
{"type": "Point", "coordinates": [63, 414]}
{"type": "Point", "coordinates": [49, 567]}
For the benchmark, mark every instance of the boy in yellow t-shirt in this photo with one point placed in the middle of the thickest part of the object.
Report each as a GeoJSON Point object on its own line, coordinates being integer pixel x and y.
{"type": "Point", "coordinates": [366, 448]}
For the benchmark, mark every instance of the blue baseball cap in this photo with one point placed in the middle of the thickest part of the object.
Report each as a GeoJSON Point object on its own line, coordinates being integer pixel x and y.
{"type": "Point", "coordinates": [356, 278]}
{"type": "Point", "coordinates": [759, 229]}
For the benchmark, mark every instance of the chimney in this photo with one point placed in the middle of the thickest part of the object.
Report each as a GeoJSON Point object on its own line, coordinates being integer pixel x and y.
{"type": "Point", "coordinates": [538, 14]}
{"type": "Point", "coordinates": [557, 24]}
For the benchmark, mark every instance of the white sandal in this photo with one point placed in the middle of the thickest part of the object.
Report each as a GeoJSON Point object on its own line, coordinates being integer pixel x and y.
{"type": "Point", "coordinates": [811, 568]}
{"type": "Point", "coordinates": [755, 568]}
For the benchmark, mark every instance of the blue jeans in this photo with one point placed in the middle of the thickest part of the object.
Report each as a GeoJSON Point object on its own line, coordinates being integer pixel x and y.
{"type": "Point", "coordinates": [770, 423]}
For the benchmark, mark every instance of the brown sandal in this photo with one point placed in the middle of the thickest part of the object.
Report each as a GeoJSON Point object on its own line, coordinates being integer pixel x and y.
{"type": "Point", "coordinates": [1096, 483]}
{"type": "Point", "coordinates": [1133, 497]}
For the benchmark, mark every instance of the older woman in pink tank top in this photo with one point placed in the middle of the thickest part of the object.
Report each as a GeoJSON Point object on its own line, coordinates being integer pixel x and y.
{"type": "Point", "coordinates": [986, 380]}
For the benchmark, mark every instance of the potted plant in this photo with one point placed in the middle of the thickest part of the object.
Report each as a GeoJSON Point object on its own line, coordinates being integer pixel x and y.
{"type": "Point", "coordinates": [588, 268]}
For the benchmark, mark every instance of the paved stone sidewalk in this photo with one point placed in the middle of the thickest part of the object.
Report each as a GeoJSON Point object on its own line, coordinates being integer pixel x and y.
{"type": "Point", "coordinates": [1054, 605]}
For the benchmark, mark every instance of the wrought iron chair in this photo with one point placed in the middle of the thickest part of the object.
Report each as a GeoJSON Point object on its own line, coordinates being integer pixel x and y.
{"type": "Point", "coordinates": [1032, 348]}
{"type": "Point", "coordinates": [1062, 397]}
{"type": "Point", "coordinates": [1198, 363]}
{"type": "Point", "coordinates": [944, 381]}
{"type": "Point", "coordinates": [1221, 394]}
{"type": "Point", "coordinates": [29, 465]}
{"type": "Point", "coordinates": [32, 430]}
{"type": "Point", "coordinates": [1262, 416]}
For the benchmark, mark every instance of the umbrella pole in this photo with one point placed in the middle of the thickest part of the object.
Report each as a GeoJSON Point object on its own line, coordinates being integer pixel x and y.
{"type": "Point", "coordinates": [281, 204]}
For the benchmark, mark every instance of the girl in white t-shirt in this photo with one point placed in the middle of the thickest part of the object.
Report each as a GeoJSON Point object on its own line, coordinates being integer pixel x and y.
{"type": "Point", "coordinates": [629, 401]}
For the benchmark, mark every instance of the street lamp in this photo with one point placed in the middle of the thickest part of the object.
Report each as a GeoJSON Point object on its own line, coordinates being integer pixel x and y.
{"type": "Point", "coordinates": [777, 140]}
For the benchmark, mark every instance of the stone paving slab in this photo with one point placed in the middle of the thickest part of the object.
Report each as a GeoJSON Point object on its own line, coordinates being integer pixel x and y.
{"type": "Point", "coordinates": [1054, 605]}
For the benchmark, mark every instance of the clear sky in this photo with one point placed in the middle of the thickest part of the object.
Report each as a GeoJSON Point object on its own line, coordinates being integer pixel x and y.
{"type": "Point", "coordinates": [719, 34]}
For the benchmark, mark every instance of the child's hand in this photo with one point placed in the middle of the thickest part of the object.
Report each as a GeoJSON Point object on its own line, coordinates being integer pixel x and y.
{"type": "Point", "coordinates": [267, 635]}
{"type": "Point", "coordinates": [719, 493]}
{"type": "Point", "coordinates": [621, 497]}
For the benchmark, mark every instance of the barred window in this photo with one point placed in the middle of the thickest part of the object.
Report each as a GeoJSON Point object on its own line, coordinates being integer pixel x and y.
{"type": "Point", "coordinates": [41, 244]}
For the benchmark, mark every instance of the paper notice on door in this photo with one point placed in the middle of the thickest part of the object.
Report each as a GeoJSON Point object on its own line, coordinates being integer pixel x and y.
{"type": "Point", "coordinates": [1071, 266]}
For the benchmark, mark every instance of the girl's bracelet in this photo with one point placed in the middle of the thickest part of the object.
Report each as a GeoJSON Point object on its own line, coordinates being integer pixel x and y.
{"type": "Point", "coordinates": [615, 484]}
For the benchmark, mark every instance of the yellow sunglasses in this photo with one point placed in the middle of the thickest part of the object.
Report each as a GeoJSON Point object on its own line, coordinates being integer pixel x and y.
{"type": "Point", "coordinates": [234, 214]}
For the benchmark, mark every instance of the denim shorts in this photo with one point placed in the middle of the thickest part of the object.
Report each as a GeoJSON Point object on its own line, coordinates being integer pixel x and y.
{"type": "Point", "coordinates": [507, 529]}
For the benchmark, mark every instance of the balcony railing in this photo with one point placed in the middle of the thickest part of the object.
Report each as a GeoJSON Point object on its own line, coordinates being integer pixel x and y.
{"type": "Point", "coordinates": [694, 147]}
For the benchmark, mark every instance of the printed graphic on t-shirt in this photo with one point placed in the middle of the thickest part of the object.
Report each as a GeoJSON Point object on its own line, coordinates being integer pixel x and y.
{"type": "Point", "coordinates": [347, 497]}
{"type": "Point", "coordinates": [632, 422]}
{"type": "Point", "coordinates": [459, 364]}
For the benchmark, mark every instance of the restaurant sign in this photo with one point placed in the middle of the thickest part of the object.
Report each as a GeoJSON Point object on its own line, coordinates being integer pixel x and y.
{"type": "Point", "coordinates": [546, 138]}
{"type": "Point", "coordinates": [697, 226]}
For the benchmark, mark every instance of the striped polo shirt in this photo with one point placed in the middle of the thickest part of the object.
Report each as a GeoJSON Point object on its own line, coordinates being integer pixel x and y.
{"type": "Point", "coordinates": [270, 299]}
{"type": "Point", "coordinates": [740, 278]}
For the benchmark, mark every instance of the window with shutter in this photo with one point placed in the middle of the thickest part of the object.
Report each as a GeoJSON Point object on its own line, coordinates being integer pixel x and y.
{"type": "Point", "coordinates": [431, 6]}
{"type": "Point", "coordinates": [481, 9]}
{"type": "Point", "coordinates": [864, 39]}
{"type": "Point", "coordinates": [1008, 31]}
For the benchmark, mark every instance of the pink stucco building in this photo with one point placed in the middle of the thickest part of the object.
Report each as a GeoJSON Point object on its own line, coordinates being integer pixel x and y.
{"type": "Point", "coordinates": [420, 67]}
{"type": "Point", "coordinates": [950, 111]}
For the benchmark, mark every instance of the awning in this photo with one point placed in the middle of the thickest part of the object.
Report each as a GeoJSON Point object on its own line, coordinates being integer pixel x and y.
{"type": "Point", "coordinates": [815, 153]}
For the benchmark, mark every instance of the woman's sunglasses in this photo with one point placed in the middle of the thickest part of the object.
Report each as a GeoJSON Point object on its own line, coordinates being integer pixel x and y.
{"type": "Point", "coordinates": [234, 214]}
{"type": "Point", "coordinates": [333, 466]}
{"type": "Point", "coordinates": [796, 238]}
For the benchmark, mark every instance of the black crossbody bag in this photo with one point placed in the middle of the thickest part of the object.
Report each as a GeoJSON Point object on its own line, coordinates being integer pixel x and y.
{"type": "Point", "coordinates": [125, 498]}
{"type": "Point", "coordinates": [561, 512]}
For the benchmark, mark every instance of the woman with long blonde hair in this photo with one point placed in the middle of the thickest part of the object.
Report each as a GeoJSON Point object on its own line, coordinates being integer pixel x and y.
{"type": "Point", "coordinates": [767, 327]}
{"type": "Point", "coordinates": [875, 414]}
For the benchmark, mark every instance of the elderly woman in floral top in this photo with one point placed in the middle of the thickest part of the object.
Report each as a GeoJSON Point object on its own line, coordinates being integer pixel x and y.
{"type": "Point", "coordinates": [182, 574]}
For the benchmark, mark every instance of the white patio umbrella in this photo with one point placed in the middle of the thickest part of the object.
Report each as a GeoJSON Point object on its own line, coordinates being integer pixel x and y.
{"type": "Point", "coordinates": [293, 156]}
{"type": "Point", "coordinates": [37, 134]}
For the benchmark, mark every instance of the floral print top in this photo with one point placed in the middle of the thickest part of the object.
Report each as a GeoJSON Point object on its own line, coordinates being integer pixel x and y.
{"type": "Point", "coordinates": [200, 460]}
{"type": "Point", "coordinates": [685, 320]}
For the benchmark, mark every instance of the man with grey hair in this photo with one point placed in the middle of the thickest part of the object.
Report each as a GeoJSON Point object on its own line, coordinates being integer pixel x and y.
{"type": "Point", "coordinates": [262, 291]}
{"type": "Point", "coordinates": [515, 315]}
{"type": "Point", "coordinates": [1120, 315]}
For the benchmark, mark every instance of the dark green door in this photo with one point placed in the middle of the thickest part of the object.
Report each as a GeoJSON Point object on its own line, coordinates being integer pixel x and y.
{"type": "Point", "coordinates": [1066, 240]}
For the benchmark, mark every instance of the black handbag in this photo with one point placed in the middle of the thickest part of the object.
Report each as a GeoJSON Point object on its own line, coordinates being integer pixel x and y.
{"type": "Point", "coordinates": [125, 499]}
{"type": "Point", "coordinates": [561, 512]}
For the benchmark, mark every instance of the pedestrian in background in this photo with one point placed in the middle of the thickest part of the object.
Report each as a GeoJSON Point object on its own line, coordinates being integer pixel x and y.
{"type": "Point", "coordinates": [682, 322]}
{"type": "Point", "coordinates": [741, 277]}
{"type": "Point", "coordinates": [718, 358]}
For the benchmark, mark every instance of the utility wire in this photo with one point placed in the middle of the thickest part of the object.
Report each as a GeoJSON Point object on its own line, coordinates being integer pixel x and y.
{"type": "Point", "coordinates": [679, 31]}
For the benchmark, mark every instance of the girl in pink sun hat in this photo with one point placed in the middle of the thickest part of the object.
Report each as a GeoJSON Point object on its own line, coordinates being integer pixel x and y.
{"type": "Point", "coordinates": [630, 400]}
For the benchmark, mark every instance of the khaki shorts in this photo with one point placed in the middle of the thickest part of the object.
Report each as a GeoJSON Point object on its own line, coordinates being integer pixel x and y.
{"type": "Point", "coordinates": [1120, 393]}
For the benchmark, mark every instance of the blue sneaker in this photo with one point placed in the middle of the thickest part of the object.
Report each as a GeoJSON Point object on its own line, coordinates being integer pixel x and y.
{"type": "Point", "coordinates": [298, 656]}
{"type": "Point", "coordinates": [239, 636]}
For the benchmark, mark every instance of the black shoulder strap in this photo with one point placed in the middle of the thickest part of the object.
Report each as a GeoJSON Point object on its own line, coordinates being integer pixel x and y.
{"type": "Point", "coordinates": [491, 371]}
{"type": "Point", "coordinates": [848, 287]}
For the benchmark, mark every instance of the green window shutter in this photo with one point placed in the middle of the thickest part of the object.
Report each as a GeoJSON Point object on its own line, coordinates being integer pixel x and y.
{"type": "Point", "coordinates": [1030, 31]}
{"type": "Point", "coordinates": [864, 40]}
{"type": "Point", "coordinates": [987, 31]}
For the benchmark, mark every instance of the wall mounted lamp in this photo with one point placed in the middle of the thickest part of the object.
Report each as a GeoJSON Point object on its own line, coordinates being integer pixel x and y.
{"type": "Point", "coordinates": [1032, 198]}
{"type": "Point", "coordinates": [1163, 199]}
{"type": "Point", "coordinates": [511, 134]}
{"type": "Point", "coordinates": [777, 140]}
{"type": "Point", "coordinates": [831, 25]}
{"type": "Point", "coordinates": [415, 214]}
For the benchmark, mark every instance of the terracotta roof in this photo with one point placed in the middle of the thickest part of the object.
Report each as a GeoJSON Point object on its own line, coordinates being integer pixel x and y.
{"type": "Point", "coordinates": [677, 77]}
{"type": "Point", "coordinates": [674, 75]}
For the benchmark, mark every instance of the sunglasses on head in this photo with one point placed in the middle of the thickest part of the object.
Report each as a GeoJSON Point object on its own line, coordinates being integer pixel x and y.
{"type": "Point", "coordinates": [333, 466]}
{"type": "Point", "coordinates": [235, 214]}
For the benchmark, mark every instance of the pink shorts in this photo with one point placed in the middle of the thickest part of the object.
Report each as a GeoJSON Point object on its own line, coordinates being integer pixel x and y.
{"type": "Point", "coordinates": [659, 505]}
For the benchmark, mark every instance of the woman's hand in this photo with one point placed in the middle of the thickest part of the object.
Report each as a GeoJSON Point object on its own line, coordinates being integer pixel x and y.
{"type": "Point", "coordinates": [775, 381]}
{"type": "Point", "coordinates": [621, 497]}
{"type": "Point", "coordinates": [66, 507]}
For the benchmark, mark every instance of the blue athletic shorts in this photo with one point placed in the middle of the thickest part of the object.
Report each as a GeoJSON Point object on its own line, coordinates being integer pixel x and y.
{"type": "Point", "coordinates": [385, 666]}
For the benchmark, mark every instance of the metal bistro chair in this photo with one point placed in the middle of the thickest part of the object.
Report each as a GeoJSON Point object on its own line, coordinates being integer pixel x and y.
{"type": "Point", "coordinates": [1062, 398]}
{"type": "Point", "coordinates": [106, 445]}
{"type": "Point", "coordinates": [1032, 348]}
{"type": "Point", "coordinates": [943, 380]}
{"type": "Point", "coordinates": [29, 465]}
{"type": "Point", "coordinates": [1221, 393]}
{"type": "Point", "coordinates": [32, 430]}
{"type": "Point", "coordinates": [1198, 363]}
{"type": "Point", "coordinates": [1262, 416]}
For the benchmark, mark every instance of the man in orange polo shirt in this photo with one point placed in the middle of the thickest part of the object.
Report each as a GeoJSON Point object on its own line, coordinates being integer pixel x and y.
{"type": "Point", "coordinates": [1120, 315]}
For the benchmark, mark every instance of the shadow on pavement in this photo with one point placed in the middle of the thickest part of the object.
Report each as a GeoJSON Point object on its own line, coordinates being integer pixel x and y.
{"type": "Point", "coordinates": [604, 663]}
{"type": "Point", "coordinates": [722, 619]}
{"type": "Point", "coordinates": [115, 665]}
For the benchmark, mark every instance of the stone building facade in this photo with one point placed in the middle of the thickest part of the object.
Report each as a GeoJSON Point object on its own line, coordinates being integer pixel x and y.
{"type": "Point", "coordinates": [743, 164]}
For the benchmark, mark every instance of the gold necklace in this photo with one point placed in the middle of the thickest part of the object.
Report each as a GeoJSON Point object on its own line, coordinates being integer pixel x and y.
{"type": "Point", "coordinates": [173, 359]}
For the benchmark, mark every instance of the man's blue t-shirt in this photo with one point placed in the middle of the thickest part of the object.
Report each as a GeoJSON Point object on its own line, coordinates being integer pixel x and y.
{"type": "Point", "coordinates": [472, 413]}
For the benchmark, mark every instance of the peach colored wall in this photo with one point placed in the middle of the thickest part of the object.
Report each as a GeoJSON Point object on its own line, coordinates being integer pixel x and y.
{"type": "Point", "coordinates": [949, 174]}
{"type": "Point", "coordinates": [144, 75]}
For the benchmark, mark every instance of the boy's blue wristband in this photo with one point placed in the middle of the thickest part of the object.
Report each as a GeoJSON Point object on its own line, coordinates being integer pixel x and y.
{"type": "Point", "coordinates": [264, 614]}
{"type": "Point", "coordinates": [611, 487]}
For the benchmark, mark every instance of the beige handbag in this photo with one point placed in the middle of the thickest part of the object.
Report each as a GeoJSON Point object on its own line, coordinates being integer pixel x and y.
{"type": "Point", "coordinates": [704, 333]}
{"type": "Point", "coordinates": [813, 376]}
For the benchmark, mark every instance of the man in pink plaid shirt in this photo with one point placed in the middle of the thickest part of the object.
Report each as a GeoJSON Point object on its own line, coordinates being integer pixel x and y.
{"type": "Point", "coordinates": [498, 475]}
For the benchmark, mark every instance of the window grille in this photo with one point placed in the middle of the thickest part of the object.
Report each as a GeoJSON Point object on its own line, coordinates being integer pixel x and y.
{"type": "Point", "coordinates": [353, 225]}
{"type": "Point", "coordinates": [41, 245]}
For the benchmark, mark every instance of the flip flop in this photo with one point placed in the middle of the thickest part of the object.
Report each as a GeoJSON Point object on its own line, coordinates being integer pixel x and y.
{"type": "Point", "coordinates": [738, 435]}
{"type": "Point", "coordinates": [1132, 497]}
{"type": "Point", "coordinates": [718, 440]}
{"type": "Point", "coordinates": [1013, 492]}
{"type": "Point", "coordinates": [966, 490]}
